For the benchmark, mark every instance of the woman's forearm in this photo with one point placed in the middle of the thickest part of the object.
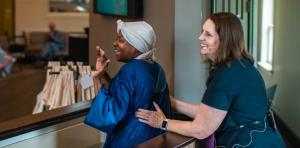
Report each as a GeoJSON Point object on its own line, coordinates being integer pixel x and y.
{"type": "Point", "coordinates": [206, 121]}
{"type": "Point", "coordinates": [186, 108]}
{"type": "Point", "coordinates": [106, 79]}
{"type": "Point", "coordinates": [187, 128]}
{"type": "Point", "coordinates": [101, 79]}
{"type": "Point", "coordinates": [97, 85]}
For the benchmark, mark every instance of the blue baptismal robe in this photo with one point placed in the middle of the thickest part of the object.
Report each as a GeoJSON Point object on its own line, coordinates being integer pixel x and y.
{"type": "Point", "coordinates": [136, 85]}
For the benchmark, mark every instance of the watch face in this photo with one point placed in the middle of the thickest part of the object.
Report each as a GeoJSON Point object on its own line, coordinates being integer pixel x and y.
{"type": "Point", "coordinates": [164, 125]}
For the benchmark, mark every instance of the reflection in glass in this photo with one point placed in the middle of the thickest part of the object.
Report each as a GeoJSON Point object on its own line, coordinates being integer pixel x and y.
{"type": "Point", "coordinates": [68, 6]}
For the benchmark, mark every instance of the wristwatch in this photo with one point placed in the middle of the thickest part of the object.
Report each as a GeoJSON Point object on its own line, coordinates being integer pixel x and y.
{"type": "Point", "coordinates": [164, 125]}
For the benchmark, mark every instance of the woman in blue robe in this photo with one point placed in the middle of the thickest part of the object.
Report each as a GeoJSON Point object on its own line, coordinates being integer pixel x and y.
{"type": "Point", "coordinates": [138, 83]}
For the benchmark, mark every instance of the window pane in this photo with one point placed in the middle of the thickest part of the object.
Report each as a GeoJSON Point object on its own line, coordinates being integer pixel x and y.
{"type": "Point", "coordinates": [267, 35]}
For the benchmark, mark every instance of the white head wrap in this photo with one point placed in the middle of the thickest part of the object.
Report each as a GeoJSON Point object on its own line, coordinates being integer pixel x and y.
{"type": "Point", "coordinates": [141, 36]}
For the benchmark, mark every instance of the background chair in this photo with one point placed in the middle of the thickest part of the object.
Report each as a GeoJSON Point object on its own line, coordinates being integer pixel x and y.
{"type": "Point", "coordinates": [270, 94]}
{"type": "Point", "coordinates": [17, 48]}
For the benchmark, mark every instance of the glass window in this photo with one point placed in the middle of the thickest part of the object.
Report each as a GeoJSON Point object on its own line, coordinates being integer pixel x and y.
{"type": "Point", "coordinates": [267, 35]}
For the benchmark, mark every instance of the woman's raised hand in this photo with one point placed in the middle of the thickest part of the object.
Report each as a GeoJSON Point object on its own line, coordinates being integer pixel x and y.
{"type": "Point", "coordinates": [101, 62]}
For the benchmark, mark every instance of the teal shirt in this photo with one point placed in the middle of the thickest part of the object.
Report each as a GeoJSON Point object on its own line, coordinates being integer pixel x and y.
{"type": "Point", "coordinates": [239, 89]}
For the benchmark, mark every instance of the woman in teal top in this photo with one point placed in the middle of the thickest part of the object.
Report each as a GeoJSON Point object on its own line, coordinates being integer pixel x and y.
{"type": "Point", "coordinates": [235, 105]}
{"type": "Point", "coordinates": [239, 89]}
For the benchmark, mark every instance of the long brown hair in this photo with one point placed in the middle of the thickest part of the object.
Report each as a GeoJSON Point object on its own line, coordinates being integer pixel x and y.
{"type": "Point", "coordinates": [231, 35]}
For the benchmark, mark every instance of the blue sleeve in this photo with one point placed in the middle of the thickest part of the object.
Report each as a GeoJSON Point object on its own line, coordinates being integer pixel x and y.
{"type": "Point", "coordinates": [110, 106]}
{"type": "Point", "coordinates": [220, 92]}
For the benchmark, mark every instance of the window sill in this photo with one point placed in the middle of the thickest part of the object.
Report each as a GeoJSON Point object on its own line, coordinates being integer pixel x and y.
{"type": "Point", "coordinates": [266, 66]}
